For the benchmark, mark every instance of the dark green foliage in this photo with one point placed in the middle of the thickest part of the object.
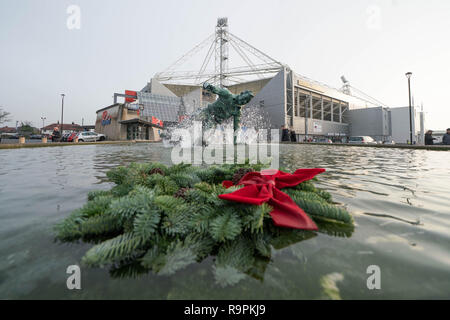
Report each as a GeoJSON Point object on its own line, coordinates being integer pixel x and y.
{"type": "Point", "coordinates": [323, 210]}
{"type": "Point", "coordinates": [121, 190]}
{"type": "Point", "coordinates": [238, 254]}
{"type": "Point", "coordinates": [116, 249]}
{"type": "Point", "coordinates": [307, 195]}
{"type": "Point", "coordinates": [97, 205]}
{"type": "Point", "coordinates": [153, 180]}
{"type": "Point", "coordinates": [262, 244]}
{"type": "Point", "coordinates": [225, 226]}
{"type": "Point", "coordinates": [255, 217]}
{"type": "Point", "coordinates": [96, 193]}
{"type": "Point", "coordinates": [100, 225]}
{"type": "Point", "coordinates": [325, 195]}
{"type": "Point", "coordinates": [333, 228]}
{"type": "Point", "coordinates": [146, 223]}
{"type": "Point", "coordinates": [317, 204]}
{"type": "Point", "coordinates": [117, 175]}
{"type": "Point", "coordinates": [154, 259]}
{"type": "Point", "coordinates": [170, 204]}
{"type": "Point", "coordinates": [163, 185]}
{"type": "Point", "coordinates": [70, 228]}
{"type": "Point", "coordinates": [138, 201]}
{"type": "Point", "coordinates": [214, 175]}
{"type": "Point", "coordinates": [124, 208]}
{"type": "Point", "coordinates": [184, 180]}
{"type": "Point", "coordinates": [176, 220]}
{"type": "Point", "coordinates": [200, 244]}
{"type": "Point", "coordinates": [128, 269]}
{"type": "Point", "coordinates": [162, 219]}
{"type": "Point", "coordinates": [282, 238]}
{"type": "Point", "coordinates": [306, 186]}
{"type": "Point", "coordinates": [167, 259]}
{"type": "Point", "coordinates": [200, 217]}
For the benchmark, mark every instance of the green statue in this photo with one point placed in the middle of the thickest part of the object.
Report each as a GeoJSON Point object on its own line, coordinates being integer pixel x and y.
{"type": "Point", "coordinates": [226, 106]}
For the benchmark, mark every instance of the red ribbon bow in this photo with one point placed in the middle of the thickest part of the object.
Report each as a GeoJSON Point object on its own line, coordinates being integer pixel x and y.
{"type": "Point", "coordinates": [261, 187]}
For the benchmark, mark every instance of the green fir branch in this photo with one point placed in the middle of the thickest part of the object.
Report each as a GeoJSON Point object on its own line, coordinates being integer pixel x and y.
{"type": "Point", "coordinates": [113, 250]}
{"type": "Point", "coordinates": [100, 225]}
{"type": "Point", "coordinates": [225, 226]}
{"type": "Point", "coordinates": [146, 224]}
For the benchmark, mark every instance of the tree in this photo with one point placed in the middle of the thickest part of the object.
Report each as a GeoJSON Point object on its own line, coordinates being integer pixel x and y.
{"type": "Point", "coordinates": [26, 126]}
{"type": "Point", "coordinates": [27, 129]}
{"type": "Point", "coordinates": [3, 116]}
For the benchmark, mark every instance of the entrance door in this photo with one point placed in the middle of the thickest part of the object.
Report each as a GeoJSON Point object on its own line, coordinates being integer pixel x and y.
{"type": "Point", "coordinates": [132, 132]}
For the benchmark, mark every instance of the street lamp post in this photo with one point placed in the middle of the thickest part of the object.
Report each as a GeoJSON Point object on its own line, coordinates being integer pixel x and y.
{"type": "Point", "coordinates": [408, 75]}
{"type": "Point", "coordinates": [43, 124]}
{"type": "Point", "coordinates": [62, 114]}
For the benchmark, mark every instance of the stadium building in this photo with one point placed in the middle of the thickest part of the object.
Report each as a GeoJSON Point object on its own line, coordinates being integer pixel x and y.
{"type": "Point", "coordinates": [311, 109]}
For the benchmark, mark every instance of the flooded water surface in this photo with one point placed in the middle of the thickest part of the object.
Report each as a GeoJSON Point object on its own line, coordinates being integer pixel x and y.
{"type": "Point", "coordinates": [400, 201]}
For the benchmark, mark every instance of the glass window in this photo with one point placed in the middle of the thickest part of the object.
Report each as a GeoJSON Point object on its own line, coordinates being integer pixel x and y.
{"type": "Point", "coordinates": [304, 103]}
{"type": "Point", "coordinates": [317, 107]}
{"type": "Point", "coordinates": [289, 92]}
{"type": "Point", "coordinates": [162, 107]}
{"type": "Point", "coordinates": [326, 109]}
{"type": "Point", "coordinates": [296, 106]}
{"type": "Point", "coordinates": [344, 112]}
{"type": "Point", "coordinates": [336, 111]}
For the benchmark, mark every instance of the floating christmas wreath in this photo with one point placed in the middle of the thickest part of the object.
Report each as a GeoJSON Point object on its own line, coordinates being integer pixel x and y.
{"type": "Point", "coordinates": [161, 219]}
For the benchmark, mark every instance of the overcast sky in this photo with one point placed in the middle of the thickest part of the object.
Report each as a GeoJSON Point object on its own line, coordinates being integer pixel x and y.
{"type": "Point", "coordinates": [122, 44]}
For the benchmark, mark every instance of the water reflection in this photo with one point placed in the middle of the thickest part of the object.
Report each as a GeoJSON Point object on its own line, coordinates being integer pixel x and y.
{"type": "Point", "coordinates": [252, 264]}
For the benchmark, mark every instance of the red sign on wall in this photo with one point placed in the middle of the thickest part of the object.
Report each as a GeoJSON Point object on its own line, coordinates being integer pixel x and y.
{"type": "Point", "coordinates": [130, 93]}
{"type": "Point", "coordinates": [157, 121]}
{"type": "Point", "coordinates": [106, 118]}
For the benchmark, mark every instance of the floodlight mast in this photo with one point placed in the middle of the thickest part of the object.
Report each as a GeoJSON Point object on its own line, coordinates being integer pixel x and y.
{"type": "Point", "coordinates": [222, 50]}
{"type": "Point", "coordinates": [222, 75]}
{"type": "Point", "coordinates": [346, 86]}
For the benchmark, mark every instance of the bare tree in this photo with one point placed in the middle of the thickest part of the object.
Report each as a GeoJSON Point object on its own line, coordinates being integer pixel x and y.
{"type": "Point", "coordinates": [3, 116]}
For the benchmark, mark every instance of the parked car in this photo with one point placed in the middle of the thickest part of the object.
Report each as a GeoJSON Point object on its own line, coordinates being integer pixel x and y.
{"type": "Point", "coordinates": [13, 136]}
{"type": "Point", "coordinates": [389, 142]}
{"type": "Point", "coordinates": [10, 135]}
{"type": "Point", "coordinates": [100, 136]}
{"type": "Point", "coordinates": [324, 140]}
{"type": "Point", "coordinates": [72, 136]}
{"type": "Point", "coordinates": [65, 136]}
{"type": "Point", "coordinates": [361, 140]}
{"type": "Point", "coordinates": [88, 136]}
{"type": "Point", "coordinates": [36, 136]}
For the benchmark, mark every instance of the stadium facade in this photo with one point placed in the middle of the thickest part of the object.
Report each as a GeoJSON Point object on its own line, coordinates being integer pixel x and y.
{"type": "Point", "coordinates": [311, 109]}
